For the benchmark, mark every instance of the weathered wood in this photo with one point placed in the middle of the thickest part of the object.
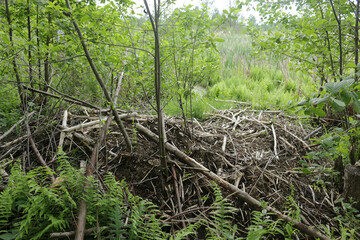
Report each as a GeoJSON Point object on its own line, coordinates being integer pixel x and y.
{"type": "Point", "coordinates": [239, 193]}
{"type": "Point", "coordinates": [352, 184]}
{"type": "Point", "coordinates": [64, 125]}
{"type": "Point", "coordinates": [72, 233]}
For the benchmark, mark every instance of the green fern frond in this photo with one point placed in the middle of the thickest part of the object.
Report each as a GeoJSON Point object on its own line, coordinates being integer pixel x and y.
{"type": "Point", "coordinates": [220, 226]}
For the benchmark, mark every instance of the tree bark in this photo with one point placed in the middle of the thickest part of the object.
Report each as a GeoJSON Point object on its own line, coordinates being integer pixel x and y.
{"type": "Point", "coordinates": [157, 65]}
{"type": "Point", "coordinates": [338, 20]}
{"type": "Point", "coordinates": [18, 81]}
{"type": "Point", "coordinates": [351, 184]}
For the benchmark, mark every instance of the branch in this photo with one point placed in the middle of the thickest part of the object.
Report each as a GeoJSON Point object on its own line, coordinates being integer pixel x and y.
{"type": "Point", "coordinates": [99, 79]}
{"type": "Point", "coordinates": [239, 193]}
{"type": "Point", "coordinates": [72, 233]}
{"type": "Point", "coordinates": [37, 153]}
{"type": "Point", "coordinates": [14, 126]}
{"type": "Point", "coordinates": [67, 99]}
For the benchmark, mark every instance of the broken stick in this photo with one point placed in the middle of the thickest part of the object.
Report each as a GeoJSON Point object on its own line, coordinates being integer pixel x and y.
{"type": "Point", "coordinates": [239, 193]}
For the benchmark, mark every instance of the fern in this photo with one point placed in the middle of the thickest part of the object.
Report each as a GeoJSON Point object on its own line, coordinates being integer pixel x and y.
{"type": "Point", "coordinates": [13, 198]}
{"type": "Point", "coordinates": [188, 231]}
{"type": "Point", "coordinates": [142, 215]}
{"type": "Point", "coordinates": [220, 226]}
{"type": "Point", "coordinates": [30, 207]}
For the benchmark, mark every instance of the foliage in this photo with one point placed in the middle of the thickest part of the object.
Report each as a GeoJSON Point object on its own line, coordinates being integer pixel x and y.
{"type": "Point", "coordinates": [220, 225]}
{"type": "Point", "coordinates": [348, 218]}
{"type": "Point", "coordinates": [9, 106]}
{"type": "Point", "coordinates": [34, 206]}
{"type": "Point", "coordinates": [262, 79]}
{"type": "Point", "coordinates": [318, 37]}
{"type": "Point", "coordinates": [31, 207]}
{"type": "Point", "coordinates": [263, 224]}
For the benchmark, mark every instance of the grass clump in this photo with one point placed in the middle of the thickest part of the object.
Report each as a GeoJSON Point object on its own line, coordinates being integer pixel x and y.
{"type": "Point", "coordinates": [266, 81]}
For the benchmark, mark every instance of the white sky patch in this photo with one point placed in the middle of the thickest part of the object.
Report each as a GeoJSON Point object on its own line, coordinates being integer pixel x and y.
{"type": "Point", "coordinates": [215, 4]}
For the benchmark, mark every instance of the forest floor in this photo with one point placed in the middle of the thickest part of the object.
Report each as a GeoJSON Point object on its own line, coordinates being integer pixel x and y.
{"type": "Point", "coordinates": [260, 152]}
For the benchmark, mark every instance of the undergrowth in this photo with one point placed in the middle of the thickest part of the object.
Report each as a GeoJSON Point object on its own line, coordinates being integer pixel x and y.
{"type": "Point", "coordinates": [33, 207]}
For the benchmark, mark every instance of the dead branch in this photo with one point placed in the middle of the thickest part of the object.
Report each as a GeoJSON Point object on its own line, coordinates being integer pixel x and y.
{"type": "Point", "coordinates": [239, 193]}
{"type": "Point", "coordinates": [37, 153]}
{"type": "Point", "coordinates": [82, 126]}
{"type": "Point", "coordinates": [293, 135]}
{"type": "Point", "coordinates": [78, 102]}
{"type": "Point", "coordinates": [81, 221]}
{"type": "Point", "coordinates": [15, 141]}
{"type": "Point", "coordinates": [63, 134]}
{"type": "Point", "coordinates": [72, 233]}
{"type": "Point", "coordinates": [275, 142]}
{"type": "Point", "coordinates": [14, 126]}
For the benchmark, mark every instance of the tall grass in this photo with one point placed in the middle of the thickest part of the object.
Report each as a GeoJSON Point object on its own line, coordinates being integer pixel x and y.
{"type": "Point", "coordinates": [266, 80]}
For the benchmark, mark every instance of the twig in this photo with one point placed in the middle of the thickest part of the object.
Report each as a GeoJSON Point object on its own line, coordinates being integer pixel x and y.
{"type": "Point", "coordinates": [302, 141]}
{"type": "Point", "coordinates": [72, 233]}
{"type": "Point", "coordinates": [223, 147]}
{"type": "Point", "coordinates": [312, 133]}
{"type": "Point", "coordinates": [275, 142]}
{"type": "Point", "coordinates": [37, 153]}
{"type": "Point", "coordinates": [79, 102]}
{"type": "Point", "coordinates": [14, 141]}
{"type": "Point", "coordinates": [286, 142]}
{"type": "Point", "coordinates": [14, 126]}
{"type": "Point", "coordinates": [63, 134]}
{"type": "Point", "coordinates": [177, 194]}
{"type": "Point", "coordinates": [239, 193]}
{"type": "Point", "coordinates": [82, 126]}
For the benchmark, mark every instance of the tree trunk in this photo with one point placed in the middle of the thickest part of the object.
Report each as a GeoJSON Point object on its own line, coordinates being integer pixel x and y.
{"type": "Point", "coordinates": [352, 184]}
{"type": "Point", "coordinates": [18, 81]}
{"type": "Point", "coordinates": [161, 125]}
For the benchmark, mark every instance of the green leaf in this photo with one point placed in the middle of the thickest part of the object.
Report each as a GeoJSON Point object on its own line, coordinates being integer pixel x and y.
{"type": "Point", "coordinates": [351, 65]}
{"type": "Point", "coordinates": [256, 235]}
{"type": "Point", "coordinates": [335, 87]}
{"type": "Point", "coordinates": [356, 105]}
{"type": "Point", "coordinates": [306, 171]}
{"type": "Point", "coordinates": [346, 96]}
{"type": "Point", "coordinates": [319, 100]}
{"type": "Point", "coordinates": [317, 111]}
{"type": "Point", "coordinates": [302, 102]}
{"type": "Point", "coordinates": [338, 105]}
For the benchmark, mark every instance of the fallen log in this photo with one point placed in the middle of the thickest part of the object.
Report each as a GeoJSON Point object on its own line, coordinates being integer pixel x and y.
{"type": "Point", "coordinates": [237, 192]}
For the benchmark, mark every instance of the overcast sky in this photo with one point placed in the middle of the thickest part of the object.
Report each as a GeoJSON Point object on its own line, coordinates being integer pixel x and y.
{"type": "Point", "coordinates": [219, 4]}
